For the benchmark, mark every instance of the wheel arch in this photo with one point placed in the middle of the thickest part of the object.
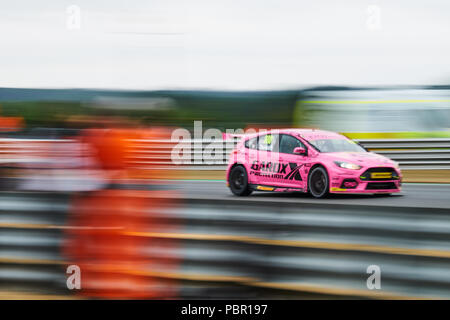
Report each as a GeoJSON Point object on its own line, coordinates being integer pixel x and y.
{"type": "Point", "coordinates": [237, 163]}
{"type": "Point", "coordinates": [318, 164]}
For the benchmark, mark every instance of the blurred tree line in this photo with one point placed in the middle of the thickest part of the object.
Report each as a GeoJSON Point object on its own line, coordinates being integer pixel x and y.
{"type": "Point", "coordinates": [51, 108]}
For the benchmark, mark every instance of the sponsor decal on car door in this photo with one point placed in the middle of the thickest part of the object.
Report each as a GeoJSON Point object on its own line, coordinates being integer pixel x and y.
{"type": "Point", "coordinates": [266, 167]}
{"type": "Point", "coordinates": [274, 168]}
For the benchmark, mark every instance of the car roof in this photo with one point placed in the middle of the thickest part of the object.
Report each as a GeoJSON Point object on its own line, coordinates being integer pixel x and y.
{"type": "Point", "coordinates": [307, 134]}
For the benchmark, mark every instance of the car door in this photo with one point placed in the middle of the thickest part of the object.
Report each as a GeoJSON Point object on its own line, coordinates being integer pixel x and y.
{"type": "Point", "coordinates": [264, 167]}
{"type": "Point", "coordinates": [292, 164]}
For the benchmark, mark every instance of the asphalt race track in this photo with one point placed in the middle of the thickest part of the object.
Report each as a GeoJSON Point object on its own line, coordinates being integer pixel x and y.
{"type": "Point", "coordinates": [412, 195]}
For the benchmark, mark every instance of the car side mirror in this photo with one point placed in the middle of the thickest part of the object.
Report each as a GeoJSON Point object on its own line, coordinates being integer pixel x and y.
{"type": "Point", "coordinates": [300, 151]}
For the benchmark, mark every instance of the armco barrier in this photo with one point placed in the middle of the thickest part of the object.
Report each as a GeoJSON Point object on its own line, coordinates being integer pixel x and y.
{"type": "Point", "coordinates": [411, 154]}
{"type": "Point", "coordinates": [249, 249]}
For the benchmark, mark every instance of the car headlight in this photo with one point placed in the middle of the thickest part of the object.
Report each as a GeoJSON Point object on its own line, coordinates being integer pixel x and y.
{"type": "Point", "coordinates": [347, 165]}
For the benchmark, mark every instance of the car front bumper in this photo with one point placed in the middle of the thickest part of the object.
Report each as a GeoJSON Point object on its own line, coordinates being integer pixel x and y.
{"type": "Point", "coordinates": [349, 182]}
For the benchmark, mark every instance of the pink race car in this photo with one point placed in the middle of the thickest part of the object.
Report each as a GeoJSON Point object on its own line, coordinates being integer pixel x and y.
{"type": "Point", "coordinates": [308, 160]}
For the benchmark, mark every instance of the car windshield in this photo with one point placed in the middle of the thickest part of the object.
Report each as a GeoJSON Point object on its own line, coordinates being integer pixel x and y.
{"type": "Point", "coordinates": [336, 145]}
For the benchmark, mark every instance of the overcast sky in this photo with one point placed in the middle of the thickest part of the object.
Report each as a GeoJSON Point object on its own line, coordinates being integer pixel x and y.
{"type": "Point", "coordinates": [208, 44]}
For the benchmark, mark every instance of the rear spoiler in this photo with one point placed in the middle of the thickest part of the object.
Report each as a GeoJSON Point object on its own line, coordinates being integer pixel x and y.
{"type": "Point", "coordinates": [229, 136]}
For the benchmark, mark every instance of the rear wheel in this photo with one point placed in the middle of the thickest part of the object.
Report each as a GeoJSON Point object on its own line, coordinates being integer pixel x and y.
{"type": "Point", "coordinates": [238, 181]}
{"type": "Point", "coordinates": [318, 182]}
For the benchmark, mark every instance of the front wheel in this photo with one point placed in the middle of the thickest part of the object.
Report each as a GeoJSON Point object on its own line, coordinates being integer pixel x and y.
{"type": "Point", "coordinates": [318, 182]}
{"type": "Point", "coordinates": [238, 181]}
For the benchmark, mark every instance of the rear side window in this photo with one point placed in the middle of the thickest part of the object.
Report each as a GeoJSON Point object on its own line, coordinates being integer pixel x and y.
{"type": "Point", "coordinates": [268, 142]}
{"type": "Point", "coordinates": [251, 143]}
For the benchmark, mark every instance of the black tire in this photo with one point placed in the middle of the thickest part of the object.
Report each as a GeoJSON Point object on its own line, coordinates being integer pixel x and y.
{"type": "Point", "coordinates": [318, 182]}
{"type": "Point", "coordinates": [238, 180]}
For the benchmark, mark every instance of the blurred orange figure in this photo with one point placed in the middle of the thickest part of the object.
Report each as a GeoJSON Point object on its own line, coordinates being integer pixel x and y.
{"type": "Point", "coordinates": [108, 227]}
{"type": "Point", "coordinates": [8, 124]}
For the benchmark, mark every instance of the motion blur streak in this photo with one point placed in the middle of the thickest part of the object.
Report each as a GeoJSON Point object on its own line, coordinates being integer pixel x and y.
{"type": "Point", "coordinates": [111, 260]}
{"type": "Point", "coordinates": [107, 257]}
{"type": "Point", "coordinates": [87, 185]}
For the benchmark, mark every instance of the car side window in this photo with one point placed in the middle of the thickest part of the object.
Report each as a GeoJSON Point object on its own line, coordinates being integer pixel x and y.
{"type": "Point", "coordinates": [252, 143]}
{"type": "Point", "coordinates": [288, 143]}
{"type": "Point", "coordinates": [268, 142]}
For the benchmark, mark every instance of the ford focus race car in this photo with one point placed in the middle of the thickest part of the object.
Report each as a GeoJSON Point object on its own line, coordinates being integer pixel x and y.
{"type": "Point", "coordinates": [308, 160]}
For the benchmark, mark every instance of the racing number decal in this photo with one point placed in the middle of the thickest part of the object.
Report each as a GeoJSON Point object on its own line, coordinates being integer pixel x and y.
{"type": "Point", "coordinates": [268, 139]}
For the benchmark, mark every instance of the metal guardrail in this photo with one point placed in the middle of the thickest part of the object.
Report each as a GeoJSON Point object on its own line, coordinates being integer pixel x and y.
{"type": "Point", "coordinates": [411, 154]}
{"type": "Point", "coordinates": [250, 249]}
